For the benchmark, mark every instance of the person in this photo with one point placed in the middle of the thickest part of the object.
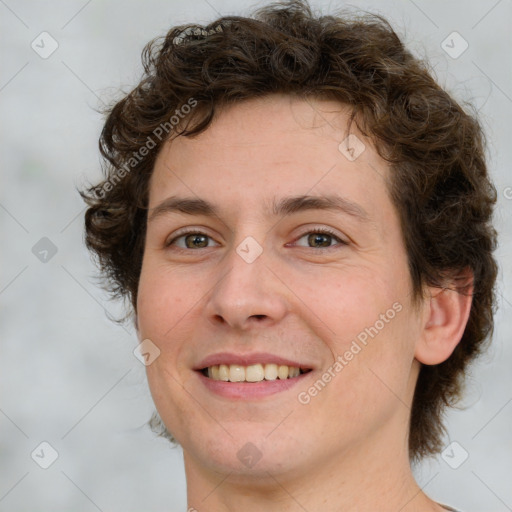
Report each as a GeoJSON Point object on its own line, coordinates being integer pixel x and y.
{"type": "Point", "coordinates": [301, 220]}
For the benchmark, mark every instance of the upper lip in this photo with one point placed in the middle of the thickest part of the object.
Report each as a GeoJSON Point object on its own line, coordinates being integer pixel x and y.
{"type": "Point", "coordinates": [247, 360]}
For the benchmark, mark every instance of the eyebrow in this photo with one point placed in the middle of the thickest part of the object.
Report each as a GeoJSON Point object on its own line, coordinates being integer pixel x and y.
{"type": "Point", "coordinates": [285, 206]}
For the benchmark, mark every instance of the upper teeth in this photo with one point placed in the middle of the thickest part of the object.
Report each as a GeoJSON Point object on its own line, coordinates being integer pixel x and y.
{"type": "Point", "coordinates": [252, 373]}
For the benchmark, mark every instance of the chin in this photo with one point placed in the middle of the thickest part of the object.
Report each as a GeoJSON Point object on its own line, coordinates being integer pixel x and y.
{"type": "Point", "coordinates": [251, 451]}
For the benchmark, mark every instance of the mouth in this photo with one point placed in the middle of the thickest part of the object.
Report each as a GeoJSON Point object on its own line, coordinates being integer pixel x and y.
{"type": "Point", "coordinates": [250, 376]}
{"type": "Point", "coordinates": [252, 373]}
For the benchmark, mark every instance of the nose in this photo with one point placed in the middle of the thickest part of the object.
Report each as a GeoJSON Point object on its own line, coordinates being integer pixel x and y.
{"type": "Point", "coordinates": [247, 294]}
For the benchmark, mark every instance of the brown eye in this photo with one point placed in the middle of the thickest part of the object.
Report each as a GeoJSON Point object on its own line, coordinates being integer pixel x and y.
{"type": "Point", "coordinates": [319, 240]}
{"type": "Point", "coordinates": [191, 240]}
{"type": "Point", "coordinates": [196, 240]}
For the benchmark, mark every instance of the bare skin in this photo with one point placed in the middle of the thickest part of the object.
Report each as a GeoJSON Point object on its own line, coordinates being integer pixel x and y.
{"type": "Point", "coordinates": [305, 298]}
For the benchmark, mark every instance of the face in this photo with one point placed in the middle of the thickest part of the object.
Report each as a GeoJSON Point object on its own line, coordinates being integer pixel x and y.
{"type": "Point", "coordinates": [285, 324]}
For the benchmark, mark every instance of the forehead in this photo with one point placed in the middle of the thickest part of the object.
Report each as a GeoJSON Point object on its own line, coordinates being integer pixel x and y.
{"type": "Point", "coordinates": [259, 150]}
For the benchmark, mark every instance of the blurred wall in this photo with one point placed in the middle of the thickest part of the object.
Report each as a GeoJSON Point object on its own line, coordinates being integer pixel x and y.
{"type": "Point", "coordinates": [68, 376]}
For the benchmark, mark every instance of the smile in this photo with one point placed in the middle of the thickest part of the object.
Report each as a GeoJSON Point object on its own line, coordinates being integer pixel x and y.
{"type": "Point", "coordinates": [252, 373]}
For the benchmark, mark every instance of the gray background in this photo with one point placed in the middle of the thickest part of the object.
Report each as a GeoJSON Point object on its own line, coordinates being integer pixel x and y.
{"type": "Point", "coordinates": [68, 375]}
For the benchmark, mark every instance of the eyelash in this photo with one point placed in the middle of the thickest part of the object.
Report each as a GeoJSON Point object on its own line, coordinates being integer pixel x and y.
{"type": "Point", "coordinates": [324, 231]}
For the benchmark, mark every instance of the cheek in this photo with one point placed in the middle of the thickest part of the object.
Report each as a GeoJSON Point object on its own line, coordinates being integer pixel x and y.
{"type": "Point", "coordinates": [368, 321]}
{"type": "Point", "coordinates": [162, 309]}
{"type": "Point", "coordinates": [348, 300]}
{"type": "Point", "coordinates": [378, 364]}
{"type": "Point", "coordinates": [163, 299]}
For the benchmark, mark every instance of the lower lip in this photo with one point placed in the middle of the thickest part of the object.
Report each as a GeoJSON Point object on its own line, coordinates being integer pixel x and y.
{"type": "Point", "coordinates": [248, 390]}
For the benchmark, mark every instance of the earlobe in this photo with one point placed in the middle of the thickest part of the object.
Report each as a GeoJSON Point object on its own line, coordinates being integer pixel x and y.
{"type": "Point", "coordinates": [446, 315]}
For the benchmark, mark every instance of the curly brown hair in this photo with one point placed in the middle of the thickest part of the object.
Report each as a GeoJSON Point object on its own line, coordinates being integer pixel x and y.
{"type": "Point", "coordinates": [440, 185]}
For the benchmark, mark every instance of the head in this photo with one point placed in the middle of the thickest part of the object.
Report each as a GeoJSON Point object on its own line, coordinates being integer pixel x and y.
{"type": "Point", "coordinates": [243, 113]}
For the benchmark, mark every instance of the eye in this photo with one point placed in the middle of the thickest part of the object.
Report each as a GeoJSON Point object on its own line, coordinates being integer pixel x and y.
{"type": "Point", "coordinates": [321, 238]}
{"type": "Point", "coordinates": [317, 239]}
{"type": "Point", "coordinates": [190, 240]}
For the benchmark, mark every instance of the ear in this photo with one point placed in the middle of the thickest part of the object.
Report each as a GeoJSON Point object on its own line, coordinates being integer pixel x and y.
{"type": "Point", "coordinates": [446, 313]}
